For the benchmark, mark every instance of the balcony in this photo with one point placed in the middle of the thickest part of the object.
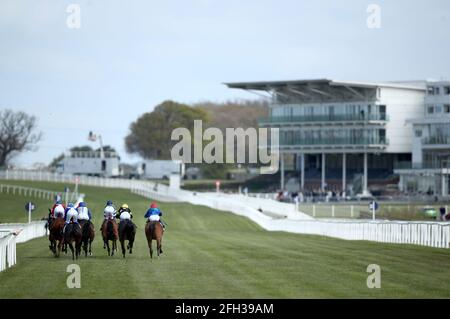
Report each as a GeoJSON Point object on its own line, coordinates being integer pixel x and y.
{"type": "Point", "coordinates": [318, 119]}
{"type": "Point", "coordinates": [436, 140]}
{"type": "Point", "coordinates": [332, 142]}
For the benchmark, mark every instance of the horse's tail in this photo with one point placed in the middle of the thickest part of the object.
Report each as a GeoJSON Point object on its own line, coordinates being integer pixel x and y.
{"type": "Point", "coordinates": [86, 229]}
{"type": "Point", "coordinates": [110, 229]}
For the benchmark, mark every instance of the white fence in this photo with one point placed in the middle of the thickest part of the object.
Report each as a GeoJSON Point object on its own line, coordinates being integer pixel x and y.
{"type": "Point", "coordinates": [27, 191]}
{"type": "Point", "coordinates": [12, 234]}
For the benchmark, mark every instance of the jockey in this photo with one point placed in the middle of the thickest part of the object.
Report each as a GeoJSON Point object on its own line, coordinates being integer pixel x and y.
{"type": "Point", "coordinates": [69, 206]}
{"type": "Point", "coordinates": [109, 212]}
{"type": "Point", "coordinates": [58, 211]}
{"type": "Point", "coordinates": [83, 212]}
{"type": "Point", "coordinates": [52, 210]}
{"type": "Point", "coordinates": [124, 209]}
{"type": "Point", "coordinates": [154, 214]}
{"type": "Point", "coordinates": [72, 215]}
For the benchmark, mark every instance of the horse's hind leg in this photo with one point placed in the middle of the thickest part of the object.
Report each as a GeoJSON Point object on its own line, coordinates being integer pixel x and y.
{"type": "Point", "coordinates": [72, 250]}
{"type": "Point", "coordinates": [150, 248]}
{"type": "Point", "coordinates": [114, 247]}
{"type": "Point", "coordinates": [158, 247]}
{"type": "Point", "coordinates": [130, 245]}
{"type": "Point", "coordinates": [60, 244]}
{"type": "Point", "coordinates": [90, 247]}
{"type": "Point", "coordinates": [122, 245]}
{"type": "Point", "coordinates": [106, 244]}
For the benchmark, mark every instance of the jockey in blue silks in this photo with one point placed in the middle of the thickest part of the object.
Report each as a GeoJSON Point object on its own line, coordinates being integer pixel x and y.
{"type": "Point", "coordinates": [154, 214]}
{"type": "Point", "coordinates": [69, 206]}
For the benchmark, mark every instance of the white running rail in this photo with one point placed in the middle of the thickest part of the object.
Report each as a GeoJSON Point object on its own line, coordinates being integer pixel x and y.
{"type": "Point", "coordinates": [12, 234]}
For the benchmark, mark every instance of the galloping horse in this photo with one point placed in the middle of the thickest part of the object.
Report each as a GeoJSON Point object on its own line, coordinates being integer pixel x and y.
{"type": "Point", "coordinates": [154, 230]}
{"type": "Point", "coordinates": [56, 236]}
{"type": "Point", "coordinates": [72, 235]}
{"type": "Point", "coordinates": [87, 236]}
{"type": "Point", "coordinates": [110, 232]}
{"type": "Point", "coordinates": [127, 231]}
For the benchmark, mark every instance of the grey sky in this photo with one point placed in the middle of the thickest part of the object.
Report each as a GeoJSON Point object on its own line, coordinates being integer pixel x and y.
{"type": "Point", "coordinates": [128, 56]}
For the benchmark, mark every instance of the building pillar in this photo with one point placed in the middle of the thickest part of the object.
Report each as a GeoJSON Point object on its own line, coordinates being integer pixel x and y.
{"type": "Point", "coordinates": [282, 171]}
{"type": "Point", "coordinates": [344, 173]}
{"type": "Point", "coordinates": [444, 185]}
{"type": "Point", "coordinates": [323, 171]}
{"type": "Point", "coordinates": [401, 186]}
{"type": "Point", "coordinates": [365, 178]}
{"type": "Point", "coordinates": [302, 171]}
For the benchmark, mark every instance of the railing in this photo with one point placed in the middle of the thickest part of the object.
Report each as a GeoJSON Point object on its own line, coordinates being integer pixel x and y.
{"type": "Point", "coordinates": [12, 234]}
{"type": "Point", "coordinates": [430, 234]}
{"type": "Point", "coordinates": [441, 165]}
{"type": "Point", "coordinates": [27, 191]}
{"type": "Point", "coordinates": [333, 141]}
{"type": "Point", "coordinates": [436, 140]}
{"type": "Point", "coordinates": [82, 179]}
{"type": "Point", "coordinates": [324, 118]}
{"type": "Point", "coordinates": [7, 250]}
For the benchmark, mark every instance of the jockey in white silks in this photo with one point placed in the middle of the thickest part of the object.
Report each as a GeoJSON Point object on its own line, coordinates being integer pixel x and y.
{"type": "Point", "coordinates": [109, 212]}
{"type": "Point", "coordinates": [59, 211]}
{"type": "Point", "coordinates": [72, 215]}
{"type": "Point", "coordinates": [83, 212]}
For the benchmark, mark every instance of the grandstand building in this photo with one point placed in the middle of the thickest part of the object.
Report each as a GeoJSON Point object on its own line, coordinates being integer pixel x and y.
{"type": "Point", "coordinates": [430, 168]}
{"type": "Point", "coordinates": [340, 135]}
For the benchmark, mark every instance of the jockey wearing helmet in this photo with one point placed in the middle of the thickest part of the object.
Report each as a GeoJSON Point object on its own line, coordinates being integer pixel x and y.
{"type": "Point", "coordinates": [71, 215]}
{"type": "Point", "coordinates": [154, 214]}
{"type": "Point", "coordinates": [124, 213]}
{"type": "Point", "coordinates": [84, 213]}
{"type": "Point", "coordinates": [109, 212]}
{"type": "Point", "coordinates": [69, 206]}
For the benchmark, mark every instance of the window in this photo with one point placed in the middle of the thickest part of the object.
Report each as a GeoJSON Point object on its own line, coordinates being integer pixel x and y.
{"type": "Point", "coordinates": [430, 109]}
{"type": "Point", "coordinates": [446, 108]}
{"type": "Point", "coordinates": [430, 90]}
{"type": "Point", "coordinates": [447, 90]}
{"type": "Point", "coordinates": [438, 109]}
{"type": "Point", "coordinates": [436, 91]}
{"type": "Point", "coordinates": [418, 133]}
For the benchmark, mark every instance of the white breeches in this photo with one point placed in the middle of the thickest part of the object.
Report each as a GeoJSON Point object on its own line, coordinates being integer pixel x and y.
{"type": "Point", "coordinates": [125, 215]}
{"type": "Point", "coordinates": [154, 218]}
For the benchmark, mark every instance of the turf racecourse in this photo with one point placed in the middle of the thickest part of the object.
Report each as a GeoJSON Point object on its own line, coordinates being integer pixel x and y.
{"type": "Point", "coordinates": [214, 254]}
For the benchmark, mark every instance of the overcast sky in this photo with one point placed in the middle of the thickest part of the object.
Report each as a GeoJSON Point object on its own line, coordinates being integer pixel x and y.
{"type": "Point", "coordinates": [128, 56]}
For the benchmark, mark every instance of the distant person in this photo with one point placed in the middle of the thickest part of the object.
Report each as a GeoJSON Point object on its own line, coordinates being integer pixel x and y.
{"type": "Point", "coordinates": [442, 212]}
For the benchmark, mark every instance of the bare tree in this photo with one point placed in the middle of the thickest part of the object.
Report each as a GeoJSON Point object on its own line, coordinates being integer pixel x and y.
{"type": "Point", "coordinates": [17, 133]}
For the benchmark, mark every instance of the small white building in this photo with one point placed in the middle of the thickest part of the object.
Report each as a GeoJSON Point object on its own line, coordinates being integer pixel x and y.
{"type": "Point", "coordinates": [90, 163]}
{"type": "Point", "coordinates": [159, 169]}
{"type": "Point", "coordinates": [430, 169]}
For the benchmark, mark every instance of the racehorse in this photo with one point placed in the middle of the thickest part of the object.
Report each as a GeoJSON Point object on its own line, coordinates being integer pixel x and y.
{"type": "Point", "coordinates": [110, 232]}
{"type": "Point", "coordinates": [87, 236]}
{"type": "Point", "coordinates": [127, 231]}
{"type": "Point", "coordinates": [154, 230]}
{"type": "Point", "coordinates": [56, 236]}
{"type": "Point", "coordinates": [72, 235]}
